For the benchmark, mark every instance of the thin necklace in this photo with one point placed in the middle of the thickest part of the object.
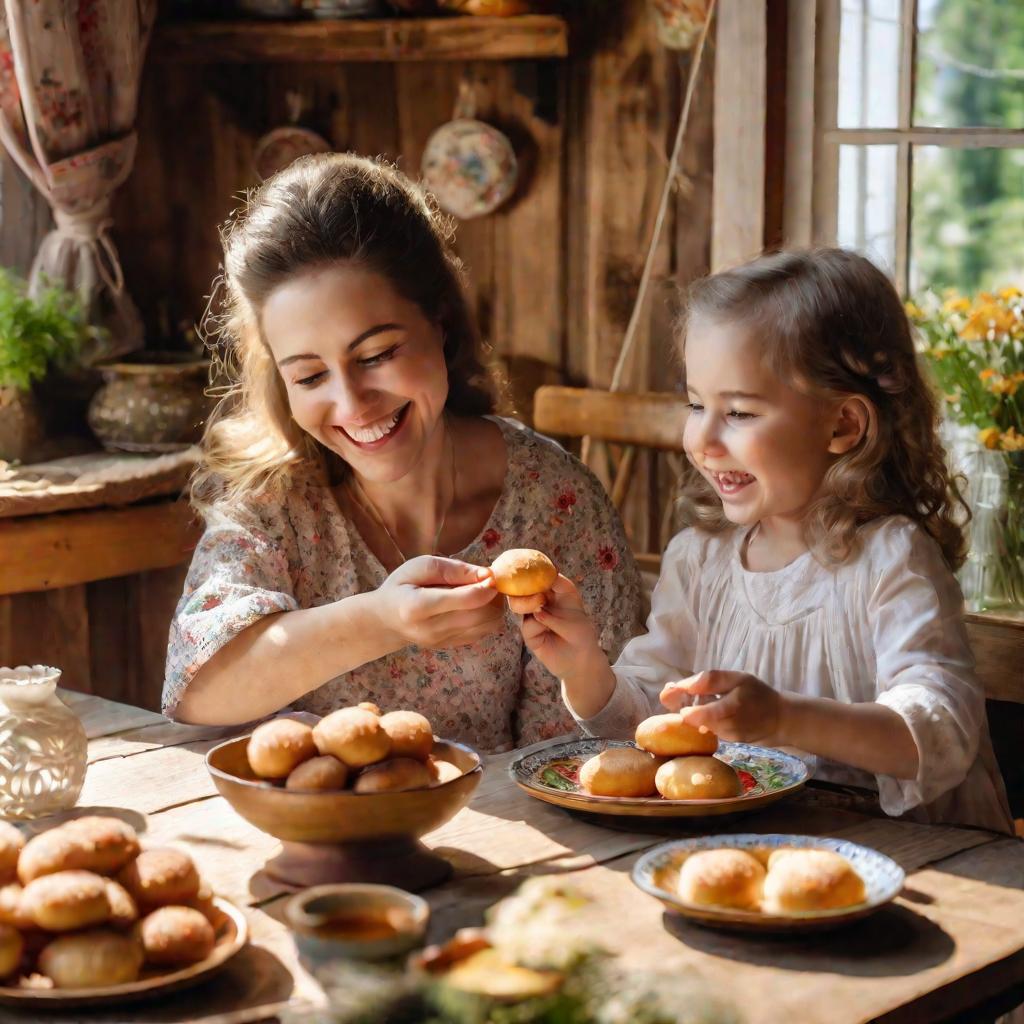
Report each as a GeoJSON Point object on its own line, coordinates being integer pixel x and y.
{"type": "Point", "coordinates": [363, 500]}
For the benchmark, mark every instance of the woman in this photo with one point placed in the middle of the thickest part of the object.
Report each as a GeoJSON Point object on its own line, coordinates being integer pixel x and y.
{"type": "Point", "coordinates": [358, 444]}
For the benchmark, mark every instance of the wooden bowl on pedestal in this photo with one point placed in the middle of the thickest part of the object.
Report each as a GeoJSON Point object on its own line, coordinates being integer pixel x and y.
{"type": "Point", "coordinates": [342, 836]}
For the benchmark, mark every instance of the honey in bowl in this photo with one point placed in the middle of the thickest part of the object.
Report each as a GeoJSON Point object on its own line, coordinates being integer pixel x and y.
{"type": "Point", "coordinates": [366, 925]}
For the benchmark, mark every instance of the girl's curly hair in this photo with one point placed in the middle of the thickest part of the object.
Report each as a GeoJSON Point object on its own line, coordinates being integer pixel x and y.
{"type": "Point", "coordinates": [332, 208]}
{"type": "Point", "coordinates": [832, 324]}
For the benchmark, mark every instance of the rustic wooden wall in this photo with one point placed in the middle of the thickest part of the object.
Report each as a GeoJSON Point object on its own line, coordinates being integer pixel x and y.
{"type": "Point", "coordinates": [552, 275]}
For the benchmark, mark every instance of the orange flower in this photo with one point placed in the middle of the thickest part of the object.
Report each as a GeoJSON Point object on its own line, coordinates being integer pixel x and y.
{"type": "Point", "coordinates": [986, 318]}
{"type": "Point", "coordinates": [989, 437]}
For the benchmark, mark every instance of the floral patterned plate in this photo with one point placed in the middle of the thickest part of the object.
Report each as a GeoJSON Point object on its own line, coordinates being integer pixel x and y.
{"type": "Point", "coordinates": [552, 774]}
{"type": "Point", "coordinates": [657, 873]}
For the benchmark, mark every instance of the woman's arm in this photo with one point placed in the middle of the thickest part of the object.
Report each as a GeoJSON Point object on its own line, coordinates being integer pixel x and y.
{"type": "Point", "coordinates": [428, 601]}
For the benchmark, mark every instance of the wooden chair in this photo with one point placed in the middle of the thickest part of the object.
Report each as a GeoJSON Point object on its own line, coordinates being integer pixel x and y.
{"type": "Point", "coordinates": [654, 420]}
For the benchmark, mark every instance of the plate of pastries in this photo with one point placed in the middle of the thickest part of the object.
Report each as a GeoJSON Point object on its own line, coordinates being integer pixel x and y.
{"type": "Point", "coordinates": [769, 882]}
{"type": "Point", "coordinates": [670, 770]}
{"type": "Point", "coordinates": [87, 916]}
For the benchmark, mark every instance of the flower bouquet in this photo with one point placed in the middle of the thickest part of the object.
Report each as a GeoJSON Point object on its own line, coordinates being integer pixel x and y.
{"type": "Point", "coordinates": [975, 348]}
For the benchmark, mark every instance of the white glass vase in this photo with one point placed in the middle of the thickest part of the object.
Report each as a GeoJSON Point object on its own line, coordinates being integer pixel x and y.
{"type": "Point", "coordinates": [43, 747]}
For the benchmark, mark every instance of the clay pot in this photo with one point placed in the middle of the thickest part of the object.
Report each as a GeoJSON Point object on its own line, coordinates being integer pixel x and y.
{"type": "Point", "coordinates": [21, 425]}
{"type": "Point", "coordinates": [154, 402]}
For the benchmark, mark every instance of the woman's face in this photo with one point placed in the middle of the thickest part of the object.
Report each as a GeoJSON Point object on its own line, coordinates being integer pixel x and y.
{"type": "Point", "coordinates": [363, 367]}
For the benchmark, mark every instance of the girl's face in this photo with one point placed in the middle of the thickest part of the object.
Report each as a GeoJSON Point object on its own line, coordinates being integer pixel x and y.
{"type": "Point", "coordinates": [762, 445]}
{"type": "Point", "coordinates": [363, 367]}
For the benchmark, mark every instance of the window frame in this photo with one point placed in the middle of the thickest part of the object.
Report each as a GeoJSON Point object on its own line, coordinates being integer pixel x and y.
{"type": "Point", "coordinates": [813, 137]}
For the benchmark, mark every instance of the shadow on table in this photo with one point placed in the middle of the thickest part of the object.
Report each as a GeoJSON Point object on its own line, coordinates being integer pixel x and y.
{"type": "Point", "coordinates": [894, 941]}
{"type": "Point", "coordinates": [253, 978]}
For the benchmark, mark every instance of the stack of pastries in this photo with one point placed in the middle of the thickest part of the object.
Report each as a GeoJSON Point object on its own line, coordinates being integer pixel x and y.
{"type": "Point", "coordinates": [772, 881]}
{"type": "Point", "coordinates": [671, 759]}
{"type": "Point", "coordinates": [355, 748]}
{"type": "Point", "coordinates": [83, 906]}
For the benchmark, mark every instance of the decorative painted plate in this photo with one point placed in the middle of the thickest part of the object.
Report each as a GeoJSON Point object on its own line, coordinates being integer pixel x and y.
{"type": "Point", "coordinates": [552, 774]}
{"type": "Point", "coordinates": [231, 934]}
{"type": "Point", "coordinates": [657, 873]}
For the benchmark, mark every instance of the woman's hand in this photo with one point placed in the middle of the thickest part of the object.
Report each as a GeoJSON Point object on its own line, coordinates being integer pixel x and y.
{"type": "Point", "coordinates": [746, 710]}
{"type": "Point", "coordinates": [559, 631]}
{"type": "Point", "coordinates": [439, 602]}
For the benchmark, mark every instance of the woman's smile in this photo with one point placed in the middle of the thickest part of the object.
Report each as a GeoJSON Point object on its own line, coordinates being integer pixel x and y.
{"type": "Point", "coordinates": [377, 434]}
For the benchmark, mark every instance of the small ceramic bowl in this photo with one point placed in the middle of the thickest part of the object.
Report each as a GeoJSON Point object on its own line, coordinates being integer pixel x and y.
{"type": "Point", "coordinates": [353, 921]}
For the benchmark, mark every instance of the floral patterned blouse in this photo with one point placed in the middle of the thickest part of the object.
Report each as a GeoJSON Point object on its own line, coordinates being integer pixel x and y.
{"type": "Point", "coordinates": [303, 552]}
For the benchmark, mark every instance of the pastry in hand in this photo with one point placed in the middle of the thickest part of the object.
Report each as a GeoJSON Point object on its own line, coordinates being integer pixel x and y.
{"type": "Point", "coordinates": [697, 778]}
{"type": "Point", "coordinates": [620, 771]}
{"type": "Point", "coordinates": [669, 736]}
{"type": "Point", "coordinates": [722, 878]}
{"type": "Point", "coordinates": [804, 880]}
{"type": "Point", "coordinates": [522, 572]}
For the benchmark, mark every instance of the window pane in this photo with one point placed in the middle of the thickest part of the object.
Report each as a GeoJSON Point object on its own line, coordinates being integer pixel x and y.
{"type": "Point", "coordinates": [867, 202]}
{"type": "Point", "coordinates": [970, 64]}
{"type": "Point", "coordinates": [869, 62]}
{"type": "Point", "coordinates": [967, 218]}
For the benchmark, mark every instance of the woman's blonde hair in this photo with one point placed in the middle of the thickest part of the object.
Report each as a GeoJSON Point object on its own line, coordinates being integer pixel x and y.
{"type": "Point", "coordinates": [833, 325]}
{"type": "Point", "coordinates": [326, 209]}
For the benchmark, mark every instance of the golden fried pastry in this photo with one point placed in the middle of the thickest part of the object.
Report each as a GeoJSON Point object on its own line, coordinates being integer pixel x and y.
{"type": "Point", "coordinates": [323, 772]}
{"type": "Point", "coordinates": [368, 705]}
{"type": "Point", "coordinates": [93, 843]}
{"type": "Point", "coordinates": [12, 910]}
{"type": "Point", "coordinates": [619, 771]}
{"type": "Point", "coordinates": [520, 572]}
{"type": "Point", "coordinates": [11, 946]}
{"type": "Point", "coordinates": [811, 880]}
{"type": "Point", "coordinates": [352, 735]}
{"type": "Point", "coordinates": [394, 775]}
{"type": "Point", "coordinates": [176, 935]}
{"type": "Point", "coordinates": [442, 771]}
{"type": "Point", "coordinates": [722, 878]}
{"type": "Point", "coordinates": [670, 736]}
{"type": "Point", "coordinates": [66, 900]}
{"type": "Point", "coordinates": [203, 902]}
{"type": "Point", "coordinates": [92, 959]}
{"type": "Point", "coordinates": [697, 778]}
{"type": "Point", "coordinates": [277, 746]}
{"type": "Point", "coordinates": [160, 876]}
{"type": "Point", "coordinates": [11, 842]}
{"type": "Point", "coordinates": [410, 733]}
{"type": "Point", "coordinates": [123, 911]}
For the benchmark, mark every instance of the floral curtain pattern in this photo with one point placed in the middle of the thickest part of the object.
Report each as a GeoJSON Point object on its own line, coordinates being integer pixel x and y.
{"type": "Point", "coordinates": [69, 84]}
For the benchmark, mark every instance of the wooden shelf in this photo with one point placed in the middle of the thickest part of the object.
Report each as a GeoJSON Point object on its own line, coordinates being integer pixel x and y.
{"type": "Point", "coordinates": [396, 39]}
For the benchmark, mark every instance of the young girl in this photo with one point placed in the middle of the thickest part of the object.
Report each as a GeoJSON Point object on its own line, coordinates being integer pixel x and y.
{"type": "Point", "coordinates": [813, 603]}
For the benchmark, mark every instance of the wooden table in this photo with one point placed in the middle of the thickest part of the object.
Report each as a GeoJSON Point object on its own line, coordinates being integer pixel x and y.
{"type": "Point", "coordinates": [950, 944]}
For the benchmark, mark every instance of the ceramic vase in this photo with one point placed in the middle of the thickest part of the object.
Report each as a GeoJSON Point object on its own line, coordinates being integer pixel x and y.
{"type": "Point", "coordinates": [43, 747]}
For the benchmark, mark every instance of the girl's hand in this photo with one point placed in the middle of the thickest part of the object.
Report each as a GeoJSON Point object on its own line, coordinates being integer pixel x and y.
{"type": "Point", "coordinates": [439, 602]}
{"type": "Point", "coordinates": [559, 632]}
{"type": "Point", "coordinates": [746, 710]}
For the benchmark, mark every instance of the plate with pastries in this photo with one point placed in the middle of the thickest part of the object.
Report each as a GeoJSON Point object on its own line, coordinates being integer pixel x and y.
{"type": "Point", "coordinates": [770, 883]}
{"type": "Point", "coordinates": [670, 770]}
{"type": "Point", "coordinates": [87, 916]}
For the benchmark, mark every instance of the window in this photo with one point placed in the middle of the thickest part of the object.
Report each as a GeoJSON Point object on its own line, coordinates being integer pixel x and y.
{"type": "Point", "coordinates": [918, 136]}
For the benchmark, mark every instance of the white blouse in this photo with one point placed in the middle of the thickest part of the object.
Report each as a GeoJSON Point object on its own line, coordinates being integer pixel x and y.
{"type": "Point", "coordinates": [885, 626]}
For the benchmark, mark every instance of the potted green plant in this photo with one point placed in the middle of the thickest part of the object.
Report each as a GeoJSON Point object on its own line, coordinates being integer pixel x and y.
{"type": "Point", "coordinates": [36, 335]}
